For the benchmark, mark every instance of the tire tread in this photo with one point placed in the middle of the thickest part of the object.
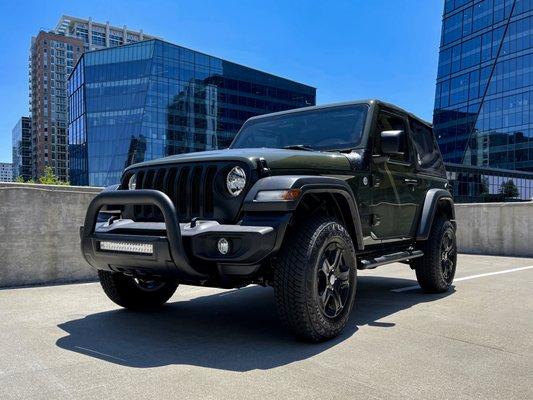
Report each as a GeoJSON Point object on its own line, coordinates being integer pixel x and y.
{"type": "Point", "coordinates": [427, 267]}
{"type": "Point", "coordinates": [291, 285]}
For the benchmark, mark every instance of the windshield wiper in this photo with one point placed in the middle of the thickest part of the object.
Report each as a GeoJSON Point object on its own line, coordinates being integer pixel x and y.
{"type": "Point", "coordinates": [304, 147]}
{"type": "Point", "coordinates": [347, 150]}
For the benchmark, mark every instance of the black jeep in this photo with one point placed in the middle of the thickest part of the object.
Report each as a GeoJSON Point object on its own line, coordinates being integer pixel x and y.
{"type": "Point", "coordinates": [300, 201]}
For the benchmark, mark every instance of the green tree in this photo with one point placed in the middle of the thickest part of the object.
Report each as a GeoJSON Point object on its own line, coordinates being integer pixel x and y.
{"type": "Point", "coordinates": [19, 179]}
{"type": "Point", "coordinates": [509, 190]}
{"type": "Point", "coordinates": [49, 178]}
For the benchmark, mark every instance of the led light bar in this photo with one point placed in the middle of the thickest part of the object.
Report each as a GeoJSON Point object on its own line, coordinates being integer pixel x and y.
{"type": "Point", "coordinates": [128, 247]}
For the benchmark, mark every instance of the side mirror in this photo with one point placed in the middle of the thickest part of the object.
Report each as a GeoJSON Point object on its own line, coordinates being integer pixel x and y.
{"type": "Point", "coordinates": [392, 142]}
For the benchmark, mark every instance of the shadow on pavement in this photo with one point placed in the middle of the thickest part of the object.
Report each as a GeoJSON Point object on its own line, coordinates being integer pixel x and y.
{"type": "Point", "coordinates": [237, 332]}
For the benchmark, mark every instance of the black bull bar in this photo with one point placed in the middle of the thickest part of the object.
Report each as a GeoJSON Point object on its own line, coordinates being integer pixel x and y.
{"type": "Point", "coordinates": [137, 197]}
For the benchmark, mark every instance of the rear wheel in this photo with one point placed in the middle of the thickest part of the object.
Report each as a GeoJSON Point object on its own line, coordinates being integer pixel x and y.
{"type": "Point", "coordinates": [134, 293]}
{"type": "Point", "coordinates": [436, 269]}
{"type": "Point", "coordinates": [315, 279]}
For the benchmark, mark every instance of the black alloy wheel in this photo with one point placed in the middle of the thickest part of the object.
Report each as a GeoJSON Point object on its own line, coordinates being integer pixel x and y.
{"type": "Point", "coordinates": [333, 280]}
{"type": "Point", "coordinates": [148, 285]}
{"type": "Point", "coordinates": [448, 256]}
{"type": "Point", "coordinates": [435, 270]}
{"type": "Point", "coordinates": [315, 279]}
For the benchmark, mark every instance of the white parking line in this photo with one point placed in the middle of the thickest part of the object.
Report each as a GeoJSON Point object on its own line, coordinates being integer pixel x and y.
{"type": "Point", "coordinates": [405, 289]}
{"type": "Point", "coordinates": [101, 354]}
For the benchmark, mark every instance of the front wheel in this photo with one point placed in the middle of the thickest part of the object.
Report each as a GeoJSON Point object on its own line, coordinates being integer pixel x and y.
{"type": "Point", "coordinates": [134, 293]}
{"type": "Point", "coordinates": [315, 279]}
{"type": "Point", "coordinates": [436, 269]}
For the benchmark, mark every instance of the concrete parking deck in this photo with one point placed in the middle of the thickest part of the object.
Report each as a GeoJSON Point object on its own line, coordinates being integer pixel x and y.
{"type": "Point", "coordinates": [474, 342]}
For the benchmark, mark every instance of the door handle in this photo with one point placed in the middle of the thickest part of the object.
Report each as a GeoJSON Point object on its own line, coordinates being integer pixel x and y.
{"type": "Point", "coordinates": [411, 181]}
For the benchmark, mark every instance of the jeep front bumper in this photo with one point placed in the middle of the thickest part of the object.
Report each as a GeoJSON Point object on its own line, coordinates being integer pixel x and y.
{"type": "Point", "coordinates": [170, 249]}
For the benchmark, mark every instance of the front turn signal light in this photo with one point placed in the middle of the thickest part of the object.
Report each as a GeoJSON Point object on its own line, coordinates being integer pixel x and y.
{"type": "Point", "coordinates": [278, 195]}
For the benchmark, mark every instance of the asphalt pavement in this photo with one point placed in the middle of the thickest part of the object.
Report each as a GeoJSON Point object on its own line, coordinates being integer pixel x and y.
{"type": "Point", "coordinates": [474, 342]}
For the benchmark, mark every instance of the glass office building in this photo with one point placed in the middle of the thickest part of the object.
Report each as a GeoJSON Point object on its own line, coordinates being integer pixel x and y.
{"type": "Point", "coordinates": [152, 99]}
{"type": "Point", "coordinates": [21, 139]}
{"type": "Point", "coordinates": [483, 114]}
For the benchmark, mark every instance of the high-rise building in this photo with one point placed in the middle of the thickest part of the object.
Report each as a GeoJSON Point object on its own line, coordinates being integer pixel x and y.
{"type": "Point", "coordinates": [483, 114]}
{"type": "Point", "coordinates": [52, 57]}
{"type": "Point", "coordinates": [152, 99]}
{"type": "Point", "coordinates": [21, 139]}
{"type": "Point", "coordinates": [98, 35]}
{"type": "Point", "coordinates": [6, 172]}
{"type": "Point", "coordinates": [484, 83]}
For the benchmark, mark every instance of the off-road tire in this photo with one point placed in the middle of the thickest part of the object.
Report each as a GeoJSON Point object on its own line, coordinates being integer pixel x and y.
{"type": "Point", "coordinates": [429, 269]}
{"type": "Point", "coordinates": [296, 281]}
{"type": "Point", "coordinates": [127, 293]}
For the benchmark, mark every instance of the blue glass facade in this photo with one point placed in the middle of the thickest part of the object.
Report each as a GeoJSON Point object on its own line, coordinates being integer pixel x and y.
{"type": "Point", "coordinates": [483, 114]}
{"type": "Point", "coordinates": [152, 99]}
{"type": "Point", "coordinates": [21, 139]}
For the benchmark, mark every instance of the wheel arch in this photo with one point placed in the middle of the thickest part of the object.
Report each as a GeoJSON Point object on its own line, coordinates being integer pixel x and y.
{"type": "Point", "coordinates": [335, 204]}
{"type": "Point", "coordinates": [437, 202]}
{"type": "Point", "coordinates": [335, 192]}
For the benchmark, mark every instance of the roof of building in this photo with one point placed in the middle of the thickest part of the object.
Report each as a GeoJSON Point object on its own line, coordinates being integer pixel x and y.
{"type": "Point", "coordinates": [196, 51]}
{"type": "Point", "coordinates": [66, 20]}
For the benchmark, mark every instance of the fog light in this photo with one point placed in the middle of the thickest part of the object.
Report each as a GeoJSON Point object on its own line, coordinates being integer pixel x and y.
{"type": "Point", "coordinates": [223, 246]}
{"type": "Point", "coordinates": [126, 247]}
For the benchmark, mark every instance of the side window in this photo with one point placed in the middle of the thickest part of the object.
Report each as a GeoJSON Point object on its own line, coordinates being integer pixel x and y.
{"type": "Point", "coordinates": [391, 122]}
{"type": "Point", "coordinates": [427, 153]}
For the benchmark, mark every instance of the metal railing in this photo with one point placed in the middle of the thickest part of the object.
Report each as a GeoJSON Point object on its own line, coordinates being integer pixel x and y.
{"type": "Point", "coordinates": [471, 184]}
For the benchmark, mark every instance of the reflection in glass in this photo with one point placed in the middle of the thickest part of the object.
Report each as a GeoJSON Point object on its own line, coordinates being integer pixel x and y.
{"type": "Point", "coordinates": [152, 99]}
{"type": "Point", "coordinates": [483, 114]}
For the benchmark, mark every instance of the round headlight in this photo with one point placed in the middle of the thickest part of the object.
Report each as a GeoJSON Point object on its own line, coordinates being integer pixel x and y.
{"type": "Point", "coordinates": [236, 181]}
{"type": "Point", "coordinates": [132, 183]}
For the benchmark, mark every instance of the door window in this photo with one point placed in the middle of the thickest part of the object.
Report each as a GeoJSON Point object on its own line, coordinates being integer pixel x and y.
{"type": "Point", "coordinates": [427, 151]}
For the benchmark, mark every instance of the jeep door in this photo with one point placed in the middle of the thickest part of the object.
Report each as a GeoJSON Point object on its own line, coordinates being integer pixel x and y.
{"type": "Point", "coordinates": [427, 158]}
{"type": "Point", "coordinates": [395, 197]}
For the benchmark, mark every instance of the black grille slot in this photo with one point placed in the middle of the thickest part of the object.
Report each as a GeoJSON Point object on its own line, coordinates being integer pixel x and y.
{"type": "Point", "coordinates": [138, 210]}
{"type": "Point", "coordinates": [172, 184]}
{"type": "Point", "coordinates": [196, 189]}
{"type": "Point", "coordinates": [209, 202]}
{"type": "Point", "coordinates": [149, 181]}
{"type": "Point", "coordinates": [191, 187]}
{"type": "Point", "coordinates": [183, 190]}
{"type": "Point", "coordinates": [159, 184]}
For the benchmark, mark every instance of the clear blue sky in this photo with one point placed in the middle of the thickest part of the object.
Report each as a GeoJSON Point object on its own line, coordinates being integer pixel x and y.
{"type": "Point", "coordinates": [354, 49]}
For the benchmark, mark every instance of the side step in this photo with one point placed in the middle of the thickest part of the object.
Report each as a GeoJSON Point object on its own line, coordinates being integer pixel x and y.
{"type": "Point", "coordinates": [371, 263]}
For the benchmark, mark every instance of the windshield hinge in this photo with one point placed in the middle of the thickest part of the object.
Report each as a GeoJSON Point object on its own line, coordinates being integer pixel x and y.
{"type": "Point", "coordinates": [263, 166]}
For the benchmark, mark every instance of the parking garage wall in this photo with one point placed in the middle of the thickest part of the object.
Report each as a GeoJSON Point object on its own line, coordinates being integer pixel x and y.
{"type": "Point", "coordinates": [40, 244]}
{"type": "Point", "coordinates": [39, 234]}
{"type": "Point", "coordinates": [504, 229]}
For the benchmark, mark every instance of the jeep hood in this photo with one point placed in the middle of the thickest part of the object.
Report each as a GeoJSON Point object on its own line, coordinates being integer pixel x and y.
{"type": "Point", "coordinates": [275, 159]}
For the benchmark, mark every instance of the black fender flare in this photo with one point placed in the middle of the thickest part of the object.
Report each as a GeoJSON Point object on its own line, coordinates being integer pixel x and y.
{"type": "Point", "coordinates": [433, 197]}
{"type": "Point", "coordinates": [307, 184]}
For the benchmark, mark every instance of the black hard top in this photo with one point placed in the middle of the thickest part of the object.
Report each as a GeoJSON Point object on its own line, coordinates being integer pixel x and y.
{"type": "Point", "coordinates": [370, 102]}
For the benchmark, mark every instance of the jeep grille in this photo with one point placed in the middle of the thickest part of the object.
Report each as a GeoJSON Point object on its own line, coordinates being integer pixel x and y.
{"type": "Point", "coordinates": [197, 190]}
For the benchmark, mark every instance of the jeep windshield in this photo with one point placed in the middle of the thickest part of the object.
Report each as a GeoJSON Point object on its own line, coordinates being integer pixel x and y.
{"type": "Point", "coordinates": [335, 128]}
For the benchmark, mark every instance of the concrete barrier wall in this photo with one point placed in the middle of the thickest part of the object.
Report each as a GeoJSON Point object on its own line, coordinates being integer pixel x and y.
{"type": "Point", "coordinates": [495, 228]}
{"type": "Point", "coordinates": [39, 232]}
